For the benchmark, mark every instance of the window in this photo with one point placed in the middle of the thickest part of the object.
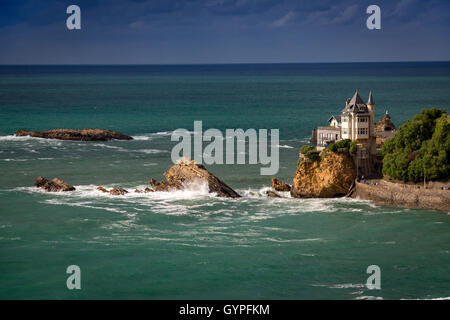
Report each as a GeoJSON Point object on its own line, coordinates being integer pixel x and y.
{"type": "Point", "coordinates": [362, 119]}
{"type": "Point", "coordinates": [362, 131]}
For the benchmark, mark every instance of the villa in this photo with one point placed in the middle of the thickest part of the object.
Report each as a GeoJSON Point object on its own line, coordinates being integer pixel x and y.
{"type": "Point", "coordinates": [357, 123]}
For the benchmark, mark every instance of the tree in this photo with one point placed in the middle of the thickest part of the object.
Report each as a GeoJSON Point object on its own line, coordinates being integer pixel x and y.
{"type": "Point", "coordinates": [420, 148]}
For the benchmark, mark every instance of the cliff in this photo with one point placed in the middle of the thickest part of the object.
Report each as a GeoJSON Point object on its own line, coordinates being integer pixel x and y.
{"type": "Point", "coordinates": [435, 196]}
{"type": "Point", "coordinates": [76, 134]}
{"type": "Point", "coordinates": [333, 175]}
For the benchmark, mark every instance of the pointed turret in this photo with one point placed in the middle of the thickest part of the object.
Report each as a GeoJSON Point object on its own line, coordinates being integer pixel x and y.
{"type": "Point", "coordinates": [370, 101]}
{"type": "Point", "coordinates": [356, 99]}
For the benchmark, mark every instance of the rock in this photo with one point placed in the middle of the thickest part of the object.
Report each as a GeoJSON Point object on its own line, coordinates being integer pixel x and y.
{"type": "Point", "coordinates": [272, 194]}
{"type": "Point", "coordinates": [40, 181]}
{"type": "Point", "coordinates": [76, 134]}
{"type": "Point", "coordinates": [118, 191]}
{"type": "Point", "coordinates": [147, 190]}
{"type": "Point", "coordinates": [138, 191]}
{"type": "Point", "coordinates": [331, 176]}
{"type": "Point", "coordinates": [102, 189]}
{"type": "Point", "coordinates": [53, 185]}
{"type": "Point", "coordinates": [187, 171]}
{"type": "Point", "coordinates": [280, 185]}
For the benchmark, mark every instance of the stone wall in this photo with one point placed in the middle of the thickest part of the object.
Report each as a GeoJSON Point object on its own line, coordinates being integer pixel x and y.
{"type": "Point", "coordinates": [435, 196]}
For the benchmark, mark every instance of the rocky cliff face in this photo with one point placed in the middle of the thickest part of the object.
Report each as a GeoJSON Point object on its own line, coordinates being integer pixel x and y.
{"type": "Point", "coordinates": [332, 176]}
{"type": "Point", "coordinates": [75, 134]}
{"type": "Point", "coordinates": [187, 171]}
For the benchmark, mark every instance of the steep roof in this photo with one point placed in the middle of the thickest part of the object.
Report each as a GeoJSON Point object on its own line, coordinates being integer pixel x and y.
{"type": "Point", "coordinates": [356, 105]}
{"type": "Point", "coordinates": [335, 116]}
{"type": "Point", "coordinates": [370, 101]}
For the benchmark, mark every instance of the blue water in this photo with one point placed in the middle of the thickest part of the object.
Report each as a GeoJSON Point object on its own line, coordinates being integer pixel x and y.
{"type": "Point", "coordinates": [190, 244]}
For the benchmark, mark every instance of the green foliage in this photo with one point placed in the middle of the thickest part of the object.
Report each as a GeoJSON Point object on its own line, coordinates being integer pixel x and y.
{"type": "Point", "coordinates": [352, 148]}
{"type": "Point", "coordinates": [305, 149]}
{"type": "Point", "coordinates": [420, 147]}
{"type": "Point", "coordinates": [341, 146]}
{"type": "Point", "coordinates": [310, 153]}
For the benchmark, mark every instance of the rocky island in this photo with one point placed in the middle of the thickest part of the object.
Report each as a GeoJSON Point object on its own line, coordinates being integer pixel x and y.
{"type": "Point", "coordinates": [187, 171]}
{"type": "Point", "coordinates": [76, 134]}
{"type": "Point", "coordinates": [329, 175]}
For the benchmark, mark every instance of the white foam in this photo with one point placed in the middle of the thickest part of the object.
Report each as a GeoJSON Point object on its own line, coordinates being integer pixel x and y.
{"type": "Point", "coordinates": [16, 138]}
{"type": "Point", "coordinates": [149, 151]}
{"type": "Point", "coordinates": [141, 138]}
{"type": "Point", "coordinates": [285, 146]}
{"type": "Point", "coordinates": [15, 160]}
{"type": "Point", "coordinates": [369, 298]}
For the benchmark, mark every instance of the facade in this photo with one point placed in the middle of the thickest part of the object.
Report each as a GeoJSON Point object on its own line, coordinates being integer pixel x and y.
{"type": "Point", "coordinates": [335, 121]}
{"type": "Point", "coordinates": [328, 135]}
{"type": "Point", "coordinates": [357, 123]}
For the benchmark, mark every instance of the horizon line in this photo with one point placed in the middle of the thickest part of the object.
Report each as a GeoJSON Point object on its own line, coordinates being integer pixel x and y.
{"type": "Point", "coordinates": [215, 64]}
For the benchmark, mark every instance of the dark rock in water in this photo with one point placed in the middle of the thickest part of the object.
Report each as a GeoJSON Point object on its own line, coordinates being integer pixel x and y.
{"type": "Point", "coordinates": [280, 185]}
{"type": "Point", "coordinates": [40, 181]}
{"type": "Point", "coordinates": [76, 134]}
{"type": "Point", "coordinates": [53, 185]}
{"type": "Point", "coordinates": [272, 194]}
{"type": "Point", "coordinates": [147, 190]}
{"type": "Point", "coordinates": [138, 191]}
{"type": "Point", "coordinates": [118, 191]}
{"type": "Point", "coordinates": [102, 189]}
{"type": "Point", "coordinates": [188, 171]}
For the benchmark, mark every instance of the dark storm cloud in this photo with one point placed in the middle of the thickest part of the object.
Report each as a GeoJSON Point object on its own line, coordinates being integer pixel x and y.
{"type": "Point", "coordinates": [195, 31]}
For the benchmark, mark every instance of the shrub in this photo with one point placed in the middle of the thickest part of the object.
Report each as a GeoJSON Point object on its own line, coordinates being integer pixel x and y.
{"type": "Point", "coordinates": [421, 147]}
{"type": "Point", "coordinates": [310, 153]}
{"type": "Point", "coordinates": [352, 148]}
{"type": "Point", "coordinates": [342, 146]}
{"type": "Point", "coordinates": [305, 149]}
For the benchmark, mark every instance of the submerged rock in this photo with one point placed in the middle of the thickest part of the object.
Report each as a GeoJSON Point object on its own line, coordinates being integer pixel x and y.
{"type": "Point", "coordinates": [102, 189]}
{"type": "Point", "coordinates": [115, 191]}
{"type": "Point", "coordinates": [330, 176]}
{"type": "Point", "coordinates": [272, 194]}
{"type": "Point", "coordinates": [53, 185]}
{"type": "Point", "coordinates": [187, 171]}
{"type": "Point", "coordinates": [278, 185]}
{"type": "Point", "coordinates": [118, 191]}
{"type": "Point", "coordinates": [76, 134]}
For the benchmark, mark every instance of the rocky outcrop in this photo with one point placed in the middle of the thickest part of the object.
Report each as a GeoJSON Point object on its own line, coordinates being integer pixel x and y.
{"type": "Point", "coordinates": [115, 191]}
{"type": "Point", "coordinates": [118, 191]}
{"type": "Point", "coordinates": [331, 176]}
{"type": "Point", "coordinates": [434, 196]}
{"type": "Point", "coordinates": [75, 134]}
{"type": "Point", "coordinates": [278, 185]}
{"type": "Point", "coordinates": [53, 185]}
{"type": "Point", "coordinates": [272, 194]}
{"type": "Point", "coordinates": [187, 171]}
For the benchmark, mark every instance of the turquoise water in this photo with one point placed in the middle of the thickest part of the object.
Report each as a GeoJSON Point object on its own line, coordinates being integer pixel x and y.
{"type": "Point", "coordinates": [190, 244]}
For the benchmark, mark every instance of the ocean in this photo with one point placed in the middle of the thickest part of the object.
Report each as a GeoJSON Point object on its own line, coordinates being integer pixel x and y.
{"type": "Point", "coordinates": [190, 244]}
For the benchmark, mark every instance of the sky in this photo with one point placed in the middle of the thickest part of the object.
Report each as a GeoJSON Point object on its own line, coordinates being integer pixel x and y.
{"type": "Point", "coordinates": [222, 31]}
